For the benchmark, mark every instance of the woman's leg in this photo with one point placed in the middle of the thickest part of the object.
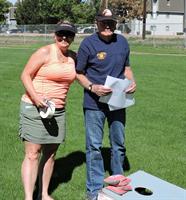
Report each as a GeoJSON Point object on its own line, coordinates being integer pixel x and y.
{"type": "Point", "coordinates": [46, 168]}
{"type": "Point", "coordinates": [30, 168]}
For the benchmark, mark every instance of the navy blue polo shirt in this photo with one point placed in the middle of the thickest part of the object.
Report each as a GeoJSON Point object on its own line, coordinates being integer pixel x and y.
{"type": "Point", "coordinates": [97, 59]}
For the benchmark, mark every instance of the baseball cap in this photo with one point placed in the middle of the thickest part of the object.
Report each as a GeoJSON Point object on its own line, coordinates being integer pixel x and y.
{"type": "Point", "coordinates": [65, 27]}
{"type": "Point", "coordinates": [106, 15]}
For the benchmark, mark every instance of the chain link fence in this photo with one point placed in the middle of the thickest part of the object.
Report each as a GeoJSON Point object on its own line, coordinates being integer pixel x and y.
{"type": "Point", "coordinates": [156, 34]}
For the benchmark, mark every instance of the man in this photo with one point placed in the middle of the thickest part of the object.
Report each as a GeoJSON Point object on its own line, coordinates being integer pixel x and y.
{"type": "Point", "coordinates": [101, 54]}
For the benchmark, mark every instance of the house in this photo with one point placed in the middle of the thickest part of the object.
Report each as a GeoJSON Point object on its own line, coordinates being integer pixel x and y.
{"type": "Point", "coordinates": [10, 17]}
{"type": "Point", "coordinates": [164, 17]}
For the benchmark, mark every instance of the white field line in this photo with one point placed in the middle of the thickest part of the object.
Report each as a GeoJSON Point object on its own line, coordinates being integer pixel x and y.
{"type": "Point", "coordinates": [157, 54]}
{"type": "Point", "coordinates": [132, 52]}
{"type": "Point", "coordinates": [12, 65]}
{"type": "Point", "coordinates": [5, 62]}
{"type": "Point", "coordinates": [18, 48]}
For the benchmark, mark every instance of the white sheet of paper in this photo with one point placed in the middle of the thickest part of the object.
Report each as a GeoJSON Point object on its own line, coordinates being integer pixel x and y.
{"type": "Point", "coordinates": [118, 98]}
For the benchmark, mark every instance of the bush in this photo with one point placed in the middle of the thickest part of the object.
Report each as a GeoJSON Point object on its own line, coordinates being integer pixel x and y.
{"type": "Point", "coordinates": [148, 32]}
{"type": "Point", "coordinates": [179, 33]}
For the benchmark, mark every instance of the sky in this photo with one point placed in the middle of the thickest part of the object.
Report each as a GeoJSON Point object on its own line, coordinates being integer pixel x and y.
{"type": "Point", "coordinates": [12, 1]}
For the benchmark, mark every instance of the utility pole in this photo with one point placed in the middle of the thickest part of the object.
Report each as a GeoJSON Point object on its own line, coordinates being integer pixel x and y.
{"type": "Point", "coordinates": [184, 17]}
{"type": "Point", "coordinates": [103, 4]}
{"type": "Point", "coordinates": [184, 23]}
{"type": "Point", "coordinates": [144, 18]}
{"type": "Point", "coordinates": [106, 4]}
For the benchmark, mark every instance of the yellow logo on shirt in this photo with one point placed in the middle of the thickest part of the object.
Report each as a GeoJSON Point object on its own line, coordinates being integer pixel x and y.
{"type": "Point", "coordinates": [101, 55]}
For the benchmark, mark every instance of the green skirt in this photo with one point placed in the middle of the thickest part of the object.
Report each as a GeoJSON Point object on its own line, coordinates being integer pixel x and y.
{"type": "Point", "coordinates": [37, 130]}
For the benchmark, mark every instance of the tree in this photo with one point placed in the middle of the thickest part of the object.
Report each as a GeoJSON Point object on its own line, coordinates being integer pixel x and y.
{"type": "Point", "coordinates": [94, 3]}
{"type": "Point", "coordinates": [83, 14]}
{"type": "Point", "coordinates": [42, 11]}
{"type": "Point", "coordinates": [27, 12]}
{"type": "Point", "coordinates": [127, 9]}
{"type": "Point", "coordinates": [51, 11]}
{"type": "Point", "coordinates": [74, 11]}
{"type": "Point", "coordinates": [4, 8]}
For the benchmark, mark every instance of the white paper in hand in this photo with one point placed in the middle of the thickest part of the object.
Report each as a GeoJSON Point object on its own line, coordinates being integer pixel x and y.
{"type": "Point", "coordinates": [118, 98]}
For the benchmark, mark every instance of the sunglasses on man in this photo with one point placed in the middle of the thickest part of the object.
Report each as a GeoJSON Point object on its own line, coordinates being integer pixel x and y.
{"type": "Point", "coordinates": [109, 23]}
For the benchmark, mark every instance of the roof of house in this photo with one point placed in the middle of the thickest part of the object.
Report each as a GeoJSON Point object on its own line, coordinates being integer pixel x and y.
{"type": "Point", "coordinates": [167, 6]}
{"type": "Point", "coordinates": [171, 6]}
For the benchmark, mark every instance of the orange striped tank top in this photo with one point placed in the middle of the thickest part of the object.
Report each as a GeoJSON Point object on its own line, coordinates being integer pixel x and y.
{"type": "Point", "coordinates": [52, 81]}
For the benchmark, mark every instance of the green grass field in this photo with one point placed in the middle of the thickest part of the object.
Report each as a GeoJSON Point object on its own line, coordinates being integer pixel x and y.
{"type": "Point", "coordinates": [155, 131]}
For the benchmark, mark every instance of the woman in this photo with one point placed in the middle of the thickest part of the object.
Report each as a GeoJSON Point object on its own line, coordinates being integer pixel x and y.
{"type": "Point", "coordinates": [46, 78]}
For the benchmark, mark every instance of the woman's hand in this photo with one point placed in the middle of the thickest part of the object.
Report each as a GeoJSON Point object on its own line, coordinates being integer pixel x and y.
{"type": "Point", "coordinates": [40, 101]}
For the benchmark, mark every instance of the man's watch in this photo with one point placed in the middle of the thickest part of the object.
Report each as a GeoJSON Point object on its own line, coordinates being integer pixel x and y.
{"type": "Point", "coordinates": [90, 87]}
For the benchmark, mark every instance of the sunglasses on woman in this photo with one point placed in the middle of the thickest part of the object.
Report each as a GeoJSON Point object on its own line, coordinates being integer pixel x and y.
{"type": "Point", "coordinates": [64, 35]}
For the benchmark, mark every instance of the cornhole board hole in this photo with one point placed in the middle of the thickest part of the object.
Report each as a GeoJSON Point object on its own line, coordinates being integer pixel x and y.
{"type": "Point", "coordinates": [147, 187]}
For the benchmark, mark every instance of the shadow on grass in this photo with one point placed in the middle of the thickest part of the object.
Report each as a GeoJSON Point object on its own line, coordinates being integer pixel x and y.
{"type": "Point", "coordinates": [64, 167]}
{"type": "Point", "coordinates": [106, 157]}
{"type": "Point", "coordinates": [63, 170]}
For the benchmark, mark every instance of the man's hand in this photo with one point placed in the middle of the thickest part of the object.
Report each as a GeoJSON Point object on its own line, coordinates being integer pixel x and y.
{"type": "Point", "coordinates": [101, 90]}
{"type": "Point", "coordinates": [131, 88]}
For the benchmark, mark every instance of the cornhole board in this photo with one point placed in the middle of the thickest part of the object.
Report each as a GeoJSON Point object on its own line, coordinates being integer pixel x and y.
{"type": "Point", "coordinates": [161, 190]}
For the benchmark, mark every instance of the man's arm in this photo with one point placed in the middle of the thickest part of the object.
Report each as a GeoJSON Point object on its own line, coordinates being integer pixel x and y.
{"type": "Point", "coordinates": [129, 75]}
{"type": "Point", "coordinates": [99, 90]}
